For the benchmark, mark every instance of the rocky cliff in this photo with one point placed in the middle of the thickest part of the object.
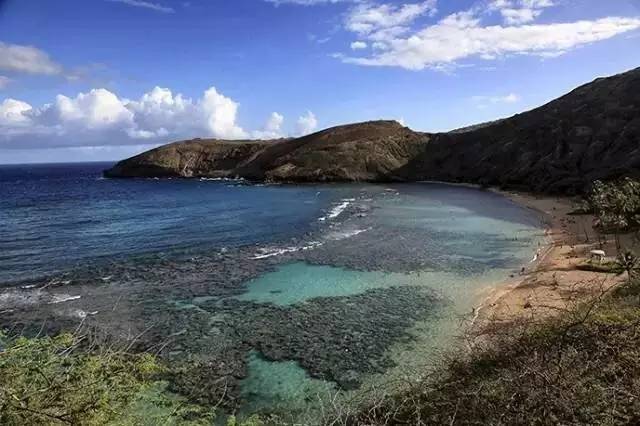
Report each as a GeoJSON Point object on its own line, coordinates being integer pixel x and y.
{"type": "Point", "coordinates": [372, 151]}
{"type": "Point", "coordinates": [591, 133]}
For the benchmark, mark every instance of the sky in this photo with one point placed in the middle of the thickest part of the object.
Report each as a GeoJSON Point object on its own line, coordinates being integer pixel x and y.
{"type": "Point", "coordinates": [93, 80]}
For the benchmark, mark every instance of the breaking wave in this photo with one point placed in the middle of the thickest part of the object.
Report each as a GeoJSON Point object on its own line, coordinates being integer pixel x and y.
{"type": "Point", "coordinates": [338, 209]}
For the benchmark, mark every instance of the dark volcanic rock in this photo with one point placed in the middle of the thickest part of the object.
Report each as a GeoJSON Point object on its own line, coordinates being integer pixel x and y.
{"type": "Point", "coordinates": [590, 133]}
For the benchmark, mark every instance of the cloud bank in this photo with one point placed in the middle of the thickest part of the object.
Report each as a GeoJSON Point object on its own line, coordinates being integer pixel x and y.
{"type": "Point", "coordinates": [398, 42]}
{"type": "Point", "coordinates": [101, 118]}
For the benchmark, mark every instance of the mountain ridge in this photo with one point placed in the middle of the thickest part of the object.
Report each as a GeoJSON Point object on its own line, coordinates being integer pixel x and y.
{"type": "Point", "coordinates": [592, 132]}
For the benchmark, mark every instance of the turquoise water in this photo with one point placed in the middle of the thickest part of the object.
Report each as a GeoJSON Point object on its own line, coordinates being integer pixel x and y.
{"type": "Point", "coordinates": [298, 282]}
{"type": "Point", "coordinates": [461, 249]}
{"type": "Point", "coordinates": [281, 386]}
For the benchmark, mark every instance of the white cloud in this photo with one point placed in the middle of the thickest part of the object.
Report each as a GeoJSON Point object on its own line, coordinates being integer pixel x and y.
{"type": "Point", "coordinates": [220, 115]}
{"type": "Point", "coordinates": [159, 109]}
{"type": "Point", "coordinates": [511, 98]}
{"type": "Point", "coordinates": [519, 16]}
{"type": "Point", "coordinates": [357, 45]}
{"type": "Point", "coordinates": [146, 5]}
{"type": "Point", "coordinates": [307, 123]}
{"type": "Point", "coordinates": [147, 134]}
{"type": "Point", "coordinates": [101, 118]}
{"type": "Point", "coordinates": [26, 59]}
{"type": "Point", "coordinates": [379, 45]}
{"type": "Point", "coordinates": [97, 109]}
{"type": "Point", "coordinates": [14, 113]}
{"type": "Point", "coordinates": [517, 12]}
{"type": "Point", "coordinates": [484, 101]}
{"type": "Point", "coordinates": [373, 20]}
{"type": "Point", "coordinates": [4, 81]}
{"type": "Point", "coordinates": [160, 113]}
{"type": "Point", "coordinates": [272, 128]}
{"type": "Point", "coordinates": [316, 39]}
{"type": "Point", "coordinates": [462, 36]}
{"type": "Point", "coordinates": [274, 124]}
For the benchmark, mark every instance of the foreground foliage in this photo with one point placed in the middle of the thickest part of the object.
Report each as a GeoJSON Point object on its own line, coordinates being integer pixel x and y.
{"type": "Point", "coordinates": [55, 380]}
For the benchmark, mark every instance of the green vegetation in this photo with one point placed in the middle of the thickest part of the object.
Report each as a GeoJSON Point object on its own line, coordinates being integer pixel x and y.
{"type": "Point", "coordinates": [616, 204]}
{"type": "Point", "coordinates": [66, 380]}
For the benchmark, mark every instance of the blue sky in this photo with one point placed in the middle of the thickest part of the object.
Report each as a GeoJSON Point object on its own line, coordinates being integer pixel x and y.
{"type": "Point", "coordinates": [85, 80]}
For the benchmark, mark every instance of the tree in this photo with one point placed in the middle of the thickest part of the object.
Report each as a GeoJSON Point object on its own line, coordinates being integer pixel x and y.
{"type": "Point", "coordinates": [616, 206]}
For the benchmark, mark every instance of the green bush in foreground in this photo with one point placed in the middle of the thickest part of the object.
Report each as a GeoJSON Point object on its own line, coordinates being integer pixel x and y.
{"type": "Point", "coordinates": [49, 380]}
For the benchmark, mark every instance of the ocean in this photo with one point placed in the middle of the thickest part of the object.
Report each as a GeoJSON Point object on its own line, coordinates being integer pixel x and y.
{"type": "Point", "coordinates": [270, 298]}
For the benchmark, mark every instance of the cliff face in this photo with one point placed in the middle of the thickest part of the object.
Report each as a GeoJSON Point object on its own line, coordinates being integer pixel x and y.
{"type": "Point", "coordinates": [591, 133]}
{"type": "Point", "coordinates": [194, 158]}
{"type": "Point", "coordinates": [371, 151]}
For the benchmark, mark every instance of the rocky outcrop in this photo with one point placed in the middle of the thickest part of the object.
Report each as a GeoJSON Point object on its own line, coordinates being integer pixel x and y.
{"type": "Point", "coordinates": [591, 133]}
{"type": "Point", "coordinates": [194, 158]}
{"type": "Point", "coordinates": [372, 151]}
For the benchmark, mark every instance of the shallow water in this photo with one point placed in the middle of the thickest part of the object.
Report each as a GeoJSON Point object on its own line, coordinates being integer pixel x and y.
{"type": "Point", "coordinates": [298, 282]}
{"type": "Point", "coordinates": [269, 297]}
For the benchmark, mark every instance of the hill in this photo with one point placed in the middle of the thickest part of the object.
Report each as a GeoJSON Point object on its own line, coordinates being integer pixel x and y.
{"type": "Point", "coordinates": [590, 133]}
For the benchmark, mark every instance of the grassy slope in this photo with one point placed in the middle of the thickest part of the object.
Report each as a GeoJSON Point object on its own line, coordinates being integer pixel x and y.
{"type": "Point", "coordinates": [580, 368]}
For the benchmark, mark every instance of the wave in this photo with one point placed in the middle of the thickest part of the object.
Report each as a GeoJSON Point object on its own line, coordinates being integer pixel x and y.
{"type": "Point", "coordinates": [222, 179]}
{"type": "Point", "coordinates": [338, 209]}
{"type": "Point", "coordinates": [62, 298]}
{"type": "Point", "coordinates": [267, 252]}
{"type": "Point", "coordinates": [270, 252]}
{"type": "Point", "coordinates": [337, 236]}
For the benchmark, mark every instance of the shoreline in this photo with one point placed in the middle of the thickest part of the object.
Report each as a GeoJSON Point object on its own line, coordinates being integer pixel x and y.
{"type": "Point", "coordinates": [552, 283]}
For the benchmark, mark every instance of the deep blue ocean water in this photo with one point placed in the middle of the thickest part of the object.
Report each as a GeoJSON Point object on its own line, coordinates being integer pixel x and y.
{"type": "Point", "coordinates": [55, 216]}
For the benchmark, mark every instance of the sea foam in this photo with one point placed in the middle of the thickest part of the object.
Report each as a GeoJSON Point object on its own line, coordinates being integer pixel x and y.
{"type": "Point", "coordinates": [338, 209]}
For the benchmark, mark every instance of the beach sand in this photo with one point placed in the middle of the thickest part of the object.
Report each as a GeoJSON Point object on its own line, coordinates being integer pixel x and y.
{"type": "Point", "coordinates": [551, 284]}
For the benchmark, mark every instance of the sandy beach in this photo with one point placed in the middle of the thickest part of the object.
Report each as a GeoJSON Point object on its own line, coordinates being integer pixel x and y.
{"type": "Point", "coordinates": [552, 283]}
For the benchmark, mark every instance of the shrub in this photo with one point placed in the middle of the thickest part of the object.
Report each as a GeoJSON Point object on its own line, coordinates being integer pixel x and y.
{"type": "Point", "coordinates": [52, 380]}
